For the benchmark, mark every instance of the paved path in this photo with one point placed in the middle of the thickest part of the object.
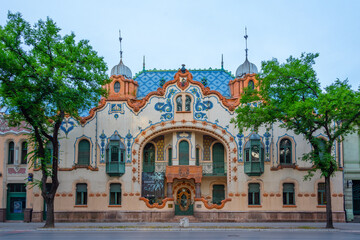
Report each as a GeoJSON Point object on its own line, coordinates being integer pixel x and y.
{"type": "Point", "coordinates": [161, 226]}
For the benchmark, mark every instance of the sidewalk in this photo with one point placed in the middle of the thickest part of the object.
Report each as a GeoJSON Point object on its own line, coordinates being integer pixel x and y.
{"type": "Point", "coordinates": [161, 226]}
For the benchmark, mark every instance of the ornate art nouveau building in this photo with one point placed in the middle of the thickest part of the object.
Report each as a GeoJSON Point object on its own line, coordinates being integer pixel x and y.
{"type": "Point", "coordinates": [162, 145]}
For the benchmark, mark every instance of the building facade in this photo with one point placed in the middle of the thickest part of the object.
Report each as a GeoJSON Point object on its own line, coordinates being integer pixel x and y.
{"type": "Point", "coordinates": [352, 176]}
{"type": "Point", "coordinates": [161, 145]}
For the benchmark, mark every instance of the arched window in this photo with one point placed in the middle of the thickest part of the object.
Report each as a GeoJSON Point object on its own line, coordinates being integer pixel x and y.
{"type": "Point", "coordinates": [23, 152]}
{"type": "Point", "coordinates": [149, 158]}
{"type": "Point", "coordinates": [285, 151]}
{"type": "Point", "coordinates": [179, 103]}
{"type": "Point", "coordinates": [187, 103]}
{"type": "Point", "coordinates": [11, 155]}
{"type": "Point", "coordinates": [254, 156]}
{"type": "Point", "coordinates": [218, 159]}
{"type": "Point", "coordinates": [218, 194]}
{"type": "Point", "coordinates": [116, 87]}
{"type": "Point", "coordinates": [197, 157]}
{"type": "Point", "coordinates": [251, 84]}
{"type": "Point", "coordinates": [183, 153]}
{"type": "Point", "coordinates": [84, 152]}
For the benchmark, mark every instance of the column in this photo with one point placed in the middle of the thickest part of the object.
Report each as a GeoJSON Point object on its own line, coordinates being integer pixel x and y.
{"type": "Point", "coordinates": [169, 193]}
{"type": "Point", "coordinates": [197, 190]}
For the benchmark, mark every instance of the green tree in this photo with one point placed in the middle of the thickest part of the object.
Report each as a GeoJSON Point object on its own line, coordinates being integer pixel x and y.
{"type": "Point", "coordinates": [290, 94]}
{"type": "Point", "coordinates": [45, 76]}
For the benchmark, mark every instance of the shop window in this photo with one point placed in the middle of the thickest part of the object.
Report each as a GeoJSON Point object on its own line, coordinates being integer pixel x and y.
{"type": "Point", "coordinates": [11, 153]}
{"type": "Point", "coordinates": [288, 194]}
{"type": "Point", "coordinates": [24, 153]}
{"type": "Point", "coordinates": [285, 151]}
{"type": "Point", "coordinates": [84, 152]}
{"type": "Point", "coordinates": [115, 194]}
{"type": "Point", "coordinates": [81, 194]}
{"type": "Point", "coordinates": [218, 194]}
{"type": "Point", "coordinates": [254, 194]}
{"type": "Point", "coordinates": [321, 194]}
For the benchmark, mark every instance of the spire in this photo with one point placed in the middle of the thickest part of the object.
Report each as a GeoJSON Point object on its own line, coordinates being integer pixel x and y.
{"type": "Point", "coordinates": [120, 39]}
{"type": "Point", "coordinates": [144, 63]}
{"type": "Point", "coordinates": [222, 62]}
{"type": "Point", "coordinates": [246, 49]}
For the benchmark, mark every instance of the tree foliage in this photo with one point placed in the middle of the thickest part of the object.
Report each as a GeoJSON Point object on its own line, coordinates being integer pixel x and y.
{"type": "Point", "coordinates": [290, 94]}
{"type": "Point", "coordinates": [45, 76]}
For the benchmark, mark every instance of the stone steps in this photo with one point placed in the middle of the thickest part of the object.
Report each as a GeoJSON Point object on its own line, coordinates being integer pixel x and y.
{"type": "Point", "coordinates": [191, 218]}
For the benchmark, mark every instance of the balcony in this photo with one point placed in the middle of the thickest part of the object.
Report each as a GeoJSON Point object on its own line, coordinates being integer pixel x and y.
{"type": "Point", "coordinates": [115, 168]}
{"type": "Point", "coordinates": [213, 169]}
{"type": "Point", "coordinates": [254, 168]}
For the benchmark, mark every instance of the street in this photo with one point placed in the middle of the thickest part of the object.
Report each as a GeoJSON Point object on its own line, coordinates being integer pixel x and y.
{"type": "Point", "coordinates": [159, 235]}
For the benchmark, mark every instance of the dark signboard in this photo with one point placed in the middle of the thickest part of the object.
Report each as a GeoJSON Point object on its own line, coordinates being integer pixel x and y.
{"type": "Point", "coordinates": [153, 186]}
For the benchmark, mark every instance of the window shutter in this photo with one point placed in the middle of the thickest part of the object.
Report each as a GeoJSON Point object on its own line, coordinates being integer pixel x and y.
{"type": "Point", "coordinates": [81, 187]}
{"type": "Point", "coordinates": [115, 187]}
{"type": "Point", "coordinates": [254, 187]}
{"type": "Point", "coordinates": [288, 187]}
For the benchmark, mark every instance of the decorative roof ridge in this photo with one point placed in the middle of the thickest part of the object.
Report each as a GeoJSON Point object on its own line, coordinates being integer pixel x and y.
{"type": "Point", "coordinates": [175, 70]}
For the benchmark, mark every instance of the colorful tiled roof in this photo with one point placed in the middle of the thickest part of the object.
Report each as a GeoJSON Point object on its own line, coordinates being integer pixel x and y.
{"type": "Point", "coordinates": [217, 79]}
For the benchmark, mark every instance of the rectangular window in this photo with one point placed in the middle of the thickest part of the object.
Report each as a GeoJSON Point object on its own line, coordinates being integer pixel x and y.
{"type": "Point", "coordinates": [115, 194]}
{"type": "Point", "coordinates": [321, 194]}
{"type": "Point", "coordinates": [288, 194]}
{"type": "Point", "coordinates": [170, 157]}
{"type": "Point", "coordinates": [81, 194]}
{"type": "Point", "coordinates": [254, 194]}
{"type": "Point", "coordinates": [197, 156]}
{"type": "Point", "coordinates": [23, 153]}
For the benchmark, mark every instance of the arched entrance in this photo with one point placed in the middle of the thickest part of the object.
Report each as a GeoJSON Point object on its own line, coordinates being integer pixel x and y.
{"type": "Point", "coordinates": [183, 203]}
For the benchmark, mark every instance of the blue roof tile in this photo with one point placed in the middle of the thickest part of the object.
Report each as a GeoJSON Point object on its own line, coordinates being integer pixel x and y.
{"type": "Point", "coordinates": [217, 79]}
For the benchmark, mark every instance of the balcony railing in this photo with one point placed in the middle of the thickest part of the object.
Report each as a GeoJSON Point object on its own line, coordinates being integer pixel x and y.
{"type": "Point", "coordinates": [115, 168]}
{"type": "Point", "coordinates": [213, 169]}
{"type": "Point", "coordinates": [254, 168]}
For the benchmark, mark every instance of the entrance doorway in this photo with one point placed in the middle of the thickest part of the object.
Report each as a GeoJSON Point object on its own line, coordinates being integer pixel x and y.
{"type": "Point", "coordinates": [356, 196]}
{"type": "Point", "coordinates": [184, 205]}
{"type": "Point", "coordinates": [16, 201]}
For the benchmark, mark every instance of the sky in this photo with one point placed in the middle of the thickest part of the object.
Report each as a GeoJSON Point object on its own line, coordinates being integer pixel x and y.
{"type": "Point", "coordinates": [196, 33]}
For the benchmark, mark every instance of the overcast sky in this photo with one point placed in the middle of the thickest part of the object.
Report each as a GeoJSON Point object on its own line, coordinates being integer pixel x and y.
{"type": "Point", "coordinates": [196, 33]}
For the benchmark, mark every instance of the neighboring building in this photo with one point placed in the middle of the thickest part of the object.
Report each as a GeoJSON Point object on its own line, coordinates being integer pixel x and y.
{"type": "Point", "coordinates": [352, 176]}
{"type": "Point", "coordinates": [162, 145]}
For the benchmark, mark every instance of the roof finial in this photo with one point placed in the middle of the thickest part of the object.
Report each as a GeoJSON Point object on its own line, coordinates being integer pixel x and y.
{"type": "Point", "coordinates": [246, 49]}
{"type": "Point", "coordinates": [144, 63]}
{"type": "Point", "coordinates": [222, 62]}
{"type": "Point", "coordinates": [120, 39]}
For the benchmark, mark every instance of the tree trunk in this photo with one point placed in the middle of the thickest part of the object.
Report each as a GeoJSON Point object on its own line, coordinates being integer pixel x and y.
{"type": "Point", "coordinates": [329, 219]}
{"type": "Point", "coordinates": [50, 220]}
